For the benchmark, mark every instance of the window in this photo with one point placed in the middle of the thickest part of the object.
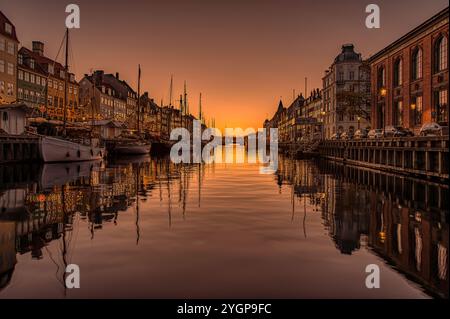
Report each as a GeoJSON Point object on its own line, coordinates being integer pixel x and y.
{"type": "Point", "coordinates": [8, 28]}
{"type": "Point", "coordinates": [10, 69]}
{"type": "Point", "coordinates": [62, 74]}
{"type": "Point", "coordinates": [417, 108]}
{"type": "Point", "coordinates": [32, 63]}
{"type": "Point", "coordinates": [27, 76]}
{"type": "Point", "coordinates": [50, 100]}
{"type": "Point", "coordinates": [51, 69]}
{"type": "Point", "coordinates": [56, 101]}
{"type": "Point", "coordinates": [440, 105]}
{"type": "Point", "coordinates": [11, 48]}
{"type": "Point", "coordinates": [20, 75]}
{"type": "Point", "coordinates": [341, 76]}
{"type": "Point", "coordinates": [32, 78]}
{"type": "Point", "coordinates": [20, 59]}
{"type": "Point", "coordinates": [398, 119]}
{"type": "Point", "coordinates": [2, 66]}
{"type": "Point", "coordinates": [351, 75]}
{"type": "Point", "coordinates": [440, 54]}
{"type": "Point", "coordinates": [398, 70]}
{"type": "Point", "coordinates": [2, 44]}
{"type": "Point", "coordinates": [50, 83]}
{"type": "Point", "coordinates": [2, 87]}
{"type": "Point", "coordinates": [10, 89]}
{"type": "Point", "coordinates": [20, 93]}
{"type": "Point", "coordinates": [38, 80]}
{"type": "Point", "coordinates": [416, 62]}
{"type": "Point", "coordinates": [381, 78]}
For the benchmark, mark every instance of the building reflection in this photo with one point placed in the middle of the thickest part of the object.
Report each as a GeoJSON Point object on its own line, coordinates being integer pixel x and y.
{"type": "Point", "coordinates": [39, 204]}
{"type": "Point", "coordinates": [402, 220]}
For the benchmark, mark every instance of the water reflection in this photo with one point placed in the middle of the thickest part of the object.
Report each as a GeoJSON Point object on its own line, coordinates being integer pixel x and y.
{"type": "Point", "coordinates": [402, 221]}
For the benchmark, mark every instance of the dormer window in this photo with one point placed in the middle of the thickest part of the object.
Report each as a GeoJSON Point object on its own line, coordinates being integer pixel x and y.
{"type": "Point", "coordinates": [62, 74]}
{"type": "Point", "coordinates": [51, 69]}
{"type": "Point", "coordinates": [20, 59]}
{"type": "Point", "coordinates": [32, 63]}
{"type": "Point", "coordinates": [8, 28]}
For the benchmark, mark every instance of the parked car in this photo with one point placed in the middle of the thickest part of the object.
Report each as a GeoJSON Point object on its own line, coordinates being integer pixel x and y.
{"type": "Point", "coordinates": [336, 136]}
{"type": "Point", "coordinates": [359, 134]}
{"type": "Point", "coordinates": [397, 131]}
{"type": "Point", "coordinates": [347, 136]}
{"type": "Point", "coordinates": [433, 129]}
{"type": "Point", "coordinates": [375, 133]}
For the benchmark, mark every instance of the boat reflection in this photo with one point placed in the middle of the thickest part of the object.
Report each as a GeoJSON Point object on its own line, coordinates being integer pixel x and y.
{"type": "Point", "coordinates": [403, 221]}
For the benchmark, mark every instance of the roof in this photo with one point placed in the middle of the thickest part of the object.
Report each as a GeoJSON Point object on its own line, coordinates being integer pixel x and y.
{"type": "Point", "coordinates": [42, 60]}
{"type": "Point", "coordinates": [3, 20]}
{"type": "Point", "coordinates": [23, 106]}
{"type": "Point", "coordinates": [348, 54]}
{"type": "Point", "coordinates": [411, 34]}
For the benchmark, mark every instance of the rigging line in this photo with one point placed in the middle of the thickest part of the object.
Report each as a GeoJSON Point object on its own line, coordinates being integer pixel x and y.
{"type": "Point", "coordinates": [57, 266]}
{"type": "Point", "coordinates": [54, 62]}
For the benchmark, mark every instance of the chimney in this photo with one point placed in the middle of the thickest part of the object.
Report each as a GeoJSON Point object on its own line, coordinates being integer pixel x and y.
{"type": "Point", "coordinates": [38, 47]}
{"type": "Point", "coordinates": [117, 75]}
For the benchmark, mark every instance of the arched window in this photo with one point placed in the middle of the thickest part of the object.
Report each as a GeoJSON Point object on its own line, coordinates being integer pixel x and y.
{"type": "Point", "coordinates": [398, 70]}
{"type": "Point", "coordinates": [440, 54]}
{"type": "Point", "coordinates": [416, 62]}
{"type": "Point", "coordinates": [381, 81]}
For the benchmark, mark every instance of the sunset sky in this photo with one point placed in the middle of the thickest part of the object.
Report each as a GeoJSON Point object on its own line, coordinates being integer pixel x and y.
{"type": "Point", "coordinates": [242, 55]}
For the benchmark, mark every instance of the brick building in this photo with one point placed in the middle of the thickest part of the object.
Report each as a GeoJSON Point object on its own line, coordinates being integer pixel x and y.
{"type": "Point", "coordinates": [410, 77]}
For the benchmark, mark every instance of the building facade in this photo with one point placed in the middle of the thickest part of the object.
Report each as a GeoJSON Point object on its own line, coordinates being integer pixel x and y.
{"type": "Point", "coordinates": [8, 60]}
{"type": "Point", "coordinates": [347, 75]}
{"type": "Point", "coordinates": [42, 84]}
{"type": "Point", "coordinates": [410, 77]}
{"type": "Point", "coordinates": [103, 97]}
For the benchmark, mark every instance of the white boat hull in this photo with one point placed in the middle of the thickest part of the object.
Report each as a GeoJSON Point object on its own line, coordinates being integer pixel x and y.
{"type": "Point", "coordinates": [133, 149]}
{"type": "Point", "coordinates": [59, 150]}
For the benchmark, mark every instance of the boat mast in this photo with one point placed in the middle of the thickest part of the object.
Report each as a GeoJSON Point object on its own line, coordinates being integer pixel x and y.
{"type": "Point", "coordinates": [66, 67]}
{"type": "Point", "coordinates": [170, 91]}
{"type": "Point", "coordinates": [200, 108]}
{"type": "Point", "coordinates": [139, 100]}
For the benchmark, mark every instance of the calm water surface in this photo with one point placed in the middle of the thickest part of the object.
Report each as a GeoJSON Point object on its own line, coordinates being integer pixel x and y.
{"type": "Point", "coordinates": [146, 228]}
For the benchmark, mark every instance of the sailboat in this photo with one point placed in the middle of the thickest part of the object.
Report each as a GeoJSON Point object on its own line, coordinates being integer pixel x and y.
{"type": "Point", "coordinates": [62, 148]}
{"type": "Point", "coordinates": [135, 145]}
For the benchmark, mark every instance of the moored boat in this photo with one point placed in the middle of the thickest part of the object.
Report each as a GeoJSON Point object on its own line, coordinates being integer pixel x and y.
{"type": "Point", "coordinates": [132, 147]}
{"type": "Point", "coordinates": [55, 149]}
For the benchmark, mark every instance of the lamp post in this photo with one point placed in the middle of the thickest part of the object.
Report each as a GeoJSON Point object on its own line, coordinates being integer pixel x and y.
{"type": "Point", "coordinates": [383, 93]}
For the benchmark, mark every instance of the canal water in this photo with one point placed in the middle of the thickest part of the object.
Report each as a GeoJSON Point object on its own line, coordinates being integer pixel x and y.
{"type": "Point", "coordinates": [147, 228]}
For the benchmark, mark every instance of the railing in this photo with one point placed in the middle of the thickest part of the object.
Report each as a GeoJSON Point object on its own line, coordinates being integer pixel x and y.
{"type": "Point", "coordinates": [422, 156]}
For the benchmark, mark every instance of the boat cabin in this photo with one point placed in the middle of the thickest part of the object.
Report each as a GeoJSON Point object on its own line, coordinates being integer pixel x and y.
{"type": "Point", "coordinates": [13, 118]}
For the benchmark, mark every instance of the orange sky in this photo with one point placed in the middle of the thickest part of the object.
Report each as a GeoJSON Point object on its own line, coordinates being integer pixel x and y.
{"type": "Point", "coordinates": [242, 55]}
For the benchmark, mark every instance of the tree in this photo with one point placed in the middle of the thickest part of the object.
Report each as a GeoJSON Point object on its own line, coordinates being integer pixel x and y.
{"type": "Point", "coordinates": [353, 103]}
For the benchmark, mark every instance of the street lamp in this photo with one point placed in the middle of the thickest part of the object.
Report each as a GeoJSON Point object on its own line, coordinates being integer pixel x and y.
{"type": "Point", "coordinates": [359, 119]}
{"type": "Point", "coordinates": [383, 92]}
